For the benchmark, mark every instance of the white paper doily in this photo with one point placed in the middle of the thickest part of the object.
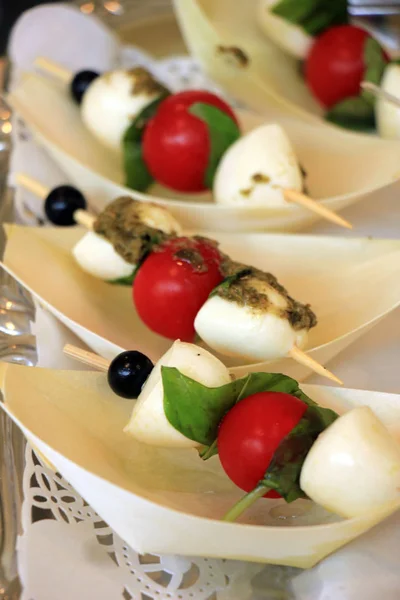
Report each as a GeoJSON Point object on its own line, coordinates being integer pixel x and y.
{"type": "Point", "coordinates": [66, 540]}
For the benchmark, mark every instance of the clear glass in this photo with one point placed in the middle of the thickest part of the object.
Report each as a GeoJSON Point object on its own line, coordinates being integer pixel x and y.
{"type": "Point", "coordinates": [16, 345]}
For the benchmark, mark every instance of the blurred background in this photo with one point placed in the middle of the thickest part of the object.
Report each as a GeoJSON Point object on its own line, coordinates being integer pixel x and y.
{"type": "Point", "coordinates": [9, 12]}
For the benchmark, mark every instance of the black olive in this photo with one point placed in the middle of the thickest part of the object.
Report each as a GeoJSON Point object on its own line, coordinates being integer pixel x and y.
{"type": "Point", "coordinates": [80, 84]}
{"type": "Point", "coordinates": [128, 372]}
{"type": "Point", "coordinates": [61, 204]}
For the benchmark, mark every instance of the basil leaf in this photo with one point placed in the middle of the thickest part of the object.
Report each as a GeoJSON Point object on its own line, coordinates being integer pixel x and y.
{"type": "Point", "coordinates": [137, 175]}
{"type": "Point", "coordinates": [196, 410]}
{"type": "Point", "coordinates": [222, 130]}
{"type": "Point", "coordinates": [353, 113]}
{"type": "Point", "coordinates": [283, 473]}
{"type": "Point", "coordinates": [375, 64]}
{"type": "Point", "coordinates": [128, 280]}
{"type": "Point", "coordinates": [314, 16]}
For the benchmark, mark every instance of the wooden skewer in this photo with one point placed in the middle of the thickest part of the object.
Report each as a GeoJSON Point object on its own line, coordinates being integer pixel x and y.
{"type": "Point", "coordinates": [306, 360]}
{"type": "Point", "coordinates": [87, 358]}
{"type": "Point", "coordinates": [32, 185]}
{"type": "Point", "coordinates": [45, 64]}
{"type": "Point", "coordinates": [379, 92]}
{"type": "Point", "coordinates": [326, 213]}
{"type": "Point", "coordinates": [97, 362]}
{"type": "Point", "coordinates": [82, 217]}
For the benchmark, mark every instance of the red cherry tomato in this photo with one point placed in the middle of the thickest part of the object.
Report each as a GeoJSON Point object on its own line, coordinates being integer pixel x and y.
{"type": "Point", "coordinates": [176, 144]}
{"type": "Point", "coordinates": [170, 287]}
{"type": "Point", "coordinates": [251, 432]}
{"type": "Point", "coordinates": [335, 66]}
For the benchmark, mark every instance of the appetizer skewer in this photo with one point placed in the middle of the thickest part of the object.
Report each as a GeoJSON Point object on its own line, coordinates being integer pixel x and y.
{"type": "Point", "coordinates": [138, 241]}
{"type": "Point", "coordinates": [190, 142]}
{"type": "Point", "coordinates": [271, 438]}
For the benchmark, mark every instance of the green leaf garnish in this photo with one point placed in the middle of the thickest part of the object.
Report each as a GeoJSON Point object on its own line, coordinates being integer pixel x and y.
{"type": "Point", "coordinates": [353, 113]}
{"type": "Point", "coordinates": [375, 64]}
{"type": "Point", "coordinates": [223, 131]}
{"type": "Point", "coordinates": [137, 175]}
{"type": "Point", "coordinates": [314, 16]}
{"type": "Point", "coordinates": [283, 473]}
{"type": "Point", "coordinates": [196, 410]}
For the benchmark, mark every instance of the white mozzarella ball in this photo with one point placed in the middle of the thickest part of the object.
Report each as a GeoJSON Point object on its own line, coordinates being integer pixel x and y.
{"type": "Point", "coordinates": [388, 114]}
{"type": "Point", "coordinates": [242, 331]}
{"type": "Point", "coordinates": [158, 217]}
{"type": "Point", "coordinates": [148, 422]}
{"type": "Point", "coordinates": [354, 466]}
{"type": "Point", "coordinates": [256, 168]}
{"type": "Point", "coordinates": [96, 255]}
{"type": "Point", "coordinates": [111, 103]}
{"type": "Point", "coordinates": [291, 38]}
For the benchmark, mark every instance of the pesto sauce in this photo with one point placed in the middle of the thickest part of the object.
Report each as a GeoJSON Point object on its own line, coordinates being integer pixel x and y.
{"type": "Point", "coordinates": [121, 225]}
{"type": "Point", "coordinates": [240, 287]}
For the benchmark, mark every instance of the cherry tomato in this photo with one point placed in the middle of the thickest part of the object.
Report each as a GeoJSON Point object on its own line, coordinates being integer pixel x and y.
{"type": "Point", "coordinates": [176, 144]}
{"type": "Point", "coordinates": [251, 432]}
{"type": "Point", "coordinates": [335, 65]}
{"type": "Point", "coordinates": [173, 283]}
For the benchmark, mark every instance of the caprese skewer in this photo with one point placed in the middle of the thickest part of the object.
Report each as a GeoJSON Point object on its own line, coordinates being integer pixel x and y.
{"type": "Point", "coordinates": [336, 58]}
{"type": "Point", "coordinates": [271, 438]}
{"type": "Point", "coordinates": [140, 244]}
{"type": "Point", "coordinates": [191, 141]}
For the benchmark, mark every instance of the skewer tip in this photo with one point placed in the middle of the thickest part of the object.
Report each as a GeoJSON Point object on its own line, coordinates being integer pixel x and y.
{"type": "Point", "coordinates": [307, 361]}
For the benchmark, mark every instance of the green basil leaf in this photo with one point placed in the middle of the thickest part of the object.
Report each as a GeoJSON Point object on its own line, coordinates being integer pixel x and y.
{"type": "Point", "coordinates": [353, 113]}
{"type": "Point", "coordinates": [223, 132]}
{"type": "Point", "coordinates": [375, 64]}
{"type": "Point", "coordinates": [283, 473]}
{"type": "Point", "coordinates": [196, 410]}
{"type": "Point", "coordinates": [137, 175]}
{"type": "Point", "coordinates": [314, 16]}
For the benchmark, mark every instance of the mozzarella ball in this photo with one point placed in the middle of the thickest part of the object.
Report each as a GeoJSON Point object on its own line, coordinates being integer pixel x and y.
{"type": "Point", "coordinates": [354, 466]}
{"type": "Point", "coordinates": [291, 38]}
{"type": "Point", "coordinates": [96, 255]}
{"type": "Point", "coordinates": [148, 422]}
{"type": "Point", "coordinates": [388, 114]}
{"type": "Point", "coordinates": [158, 217]}
{"type": "Point", "coordinates": [114, 100]}
{"type": "Point", "coordinates": [246, 332]}
{"type": "Point", "coordinates": [256, 168]}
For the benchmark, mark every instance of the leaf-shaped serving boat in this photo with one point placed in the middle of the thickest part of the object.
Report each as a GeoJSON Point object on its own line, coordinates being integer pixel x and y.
{"type": "Point", "coordinates": [170, 501]}
{"type": "Point", "coordinates": [350, 283]}
{"type": "Point", "coordinates": [341, 167]}
{"type": "Point", "coordinates": [232, 49]}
